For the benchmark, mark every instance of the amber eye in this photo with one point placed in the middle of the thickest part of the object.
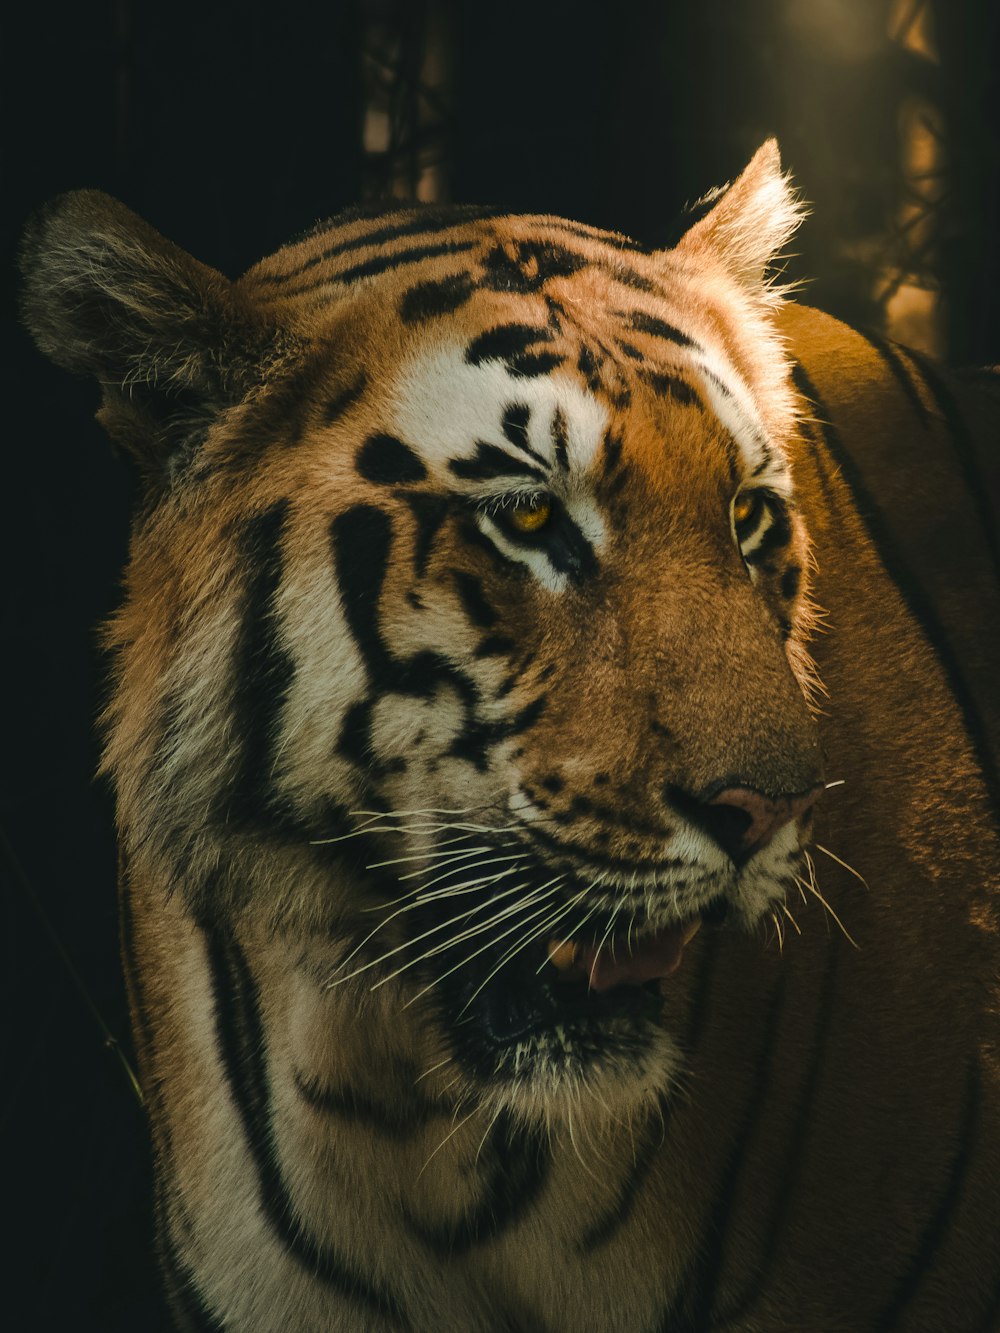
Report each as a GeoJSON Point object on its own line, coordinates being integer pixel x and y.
{"type": "Point", "coordinates": [743, 507]}
{"type": "Point", "coordinates": [747, 511]}
{"type": "Point", "coordinates": [527, 514]}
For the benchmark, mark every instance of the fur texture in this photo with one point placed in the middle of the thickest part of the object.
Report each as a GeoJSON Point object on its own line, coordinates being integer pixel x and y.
{"type": "Point", "coordinates": [471, 617]}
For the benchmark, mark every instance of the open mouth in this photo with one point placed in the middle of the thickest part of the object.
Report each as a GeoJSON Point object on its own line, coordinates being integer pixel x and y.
{"type": "Point", "coordinates": [578, 995]}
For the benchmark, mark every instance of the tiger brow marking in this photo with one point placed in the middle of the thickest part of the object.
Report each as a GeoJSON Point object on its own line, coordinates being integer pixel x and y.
{"type": "Point", "coordinates": [560, 439]}
{"type": "Point", "coordinates": [514, 425]}
{"type": "Point", "coordinates": [914, 597]}
{"type": "Point", "coordinates": [242, 1048]}
{"type": "Point", "coordinates": [491, 461]}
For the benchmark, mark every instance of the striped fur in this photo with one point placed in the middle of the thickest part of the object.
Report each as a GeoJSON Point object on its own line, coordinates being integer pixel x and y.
{"type": "Point", "coordinates": [378, 743]}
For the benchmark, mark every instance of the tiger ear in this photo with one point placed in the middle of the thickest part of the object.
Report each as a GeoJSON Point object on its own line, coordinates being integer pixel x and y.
{"type": "Point", "coordinates": [170, 341]}
{"type": "Point", "coordinates": [749, 223]}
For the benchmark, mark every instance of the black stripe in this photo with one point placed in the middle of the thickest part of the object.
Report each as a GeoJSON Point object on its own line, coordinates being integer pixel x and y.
{"type": "Point", "coordinates": [384, 264]}
{"type": "Point", "coordinates": [423, 224]}
{"type": "Point", "coordinates": [399, 1120]}
{"type": "Point", "coordinates": [262, 670]}
{"type": "Point", "coordinates": [612, 446]}
{"type": "Point", "coordinates": [975, 483]}
{"type": "Point", "coordinates": [533, 364]}
{"type": "Point", "coordinates": [520, 1161]}
{"type": "Point", "coordinates": [495, 645]}
{"type": "Point", "coordinates": [940, 1221]}
{"type": "Point", "coordinates": [526, 264]}
{"type": "Point", "coordinates": [387, 461]}
{"type": "Point", "coordinates": [341, 402]}
{"type": "Point", "coordinates": [807, 430]}
{"type": "Point", "coordinates": [242, 1047]}
{"type": "Point", "coordinates": [897, 368]}
{"type": "Point", "coordinates": [514, 424]}
{"type": "Point", "coordinates": [690, 1311]}
{"type": "Point", "coordinates": [560, 439]}
{"type": "Point", "coordinates": [665, 385]}
{"type": "Point", "coordinates": [362, 538]}
{"type": "Point", "coordinates": [698, 1011]}
{"type": "Point", "coordinates": [912, 593]}
{"type": "Point", "coordinates": [611, 1221]}
{"type": "Point", "coordinates": [438, 296]}
{"type": "Point", "coordinates": [429, 512]}
{"type": "Point", "coordinates": [505, 342]}
{"type": "Point", "coordinates": [657, 328]}
{"type": "Point", "coordinates": [491, 461]}
{"type": "Point", "coordinates": [793, 1145]}
{"type": "Point", "coordinates": [188, 1310]}
{"type": "Point", "coordinates": [470, 591]}
{"type": "Point", "coordinates": [991, 1319]}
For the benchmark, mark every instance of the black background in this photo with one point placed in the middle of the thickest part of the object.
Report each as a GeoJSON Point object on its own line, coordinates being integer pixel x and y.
{"type": "Point", "coordinates": [232, 127]}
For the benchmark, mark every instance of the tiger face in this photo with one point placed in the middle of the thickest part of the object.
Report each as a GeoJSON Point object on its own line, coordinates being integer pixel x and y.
{"type": "Point", "coordinates": [466, 619]}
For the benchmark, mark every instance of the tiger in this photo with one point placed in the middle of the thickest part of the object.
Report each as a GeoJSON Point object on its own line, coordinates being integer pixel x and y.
{"type": "Point", "coordinates": [554, 730]}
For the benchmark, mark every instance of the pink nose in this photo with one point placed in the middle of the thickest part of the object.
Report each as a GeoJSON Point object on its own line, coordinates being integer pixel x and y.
{"type": "Point", "coordinates": [742, 820]}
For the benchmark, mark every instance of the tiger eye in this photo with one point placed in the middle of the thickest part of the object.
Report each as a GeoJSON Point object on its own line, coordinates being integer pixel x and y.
{"type": "Point", "coordinates": [529, 515]}
{"type": "Point", "coordinates": [743, 507]}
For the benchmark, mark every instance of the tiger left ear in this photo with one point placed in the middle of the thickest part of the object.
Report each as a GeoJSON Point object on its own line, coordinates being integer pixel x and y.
{"type": "Point", "coordinates": [753, 219]}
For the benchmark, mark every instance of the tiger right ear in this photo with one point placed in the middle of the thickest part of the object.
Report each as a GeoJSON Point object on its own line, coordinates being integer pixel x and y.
{"type": "Point", "coordinates": [169, 340]}
{"type": "Point", "coordinates": [750, 223]}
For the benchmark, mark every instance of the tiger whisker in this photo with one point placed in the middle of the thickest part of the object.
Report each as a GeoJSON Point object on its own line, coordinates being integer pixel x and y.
{"type": "Point", "coordinates": [440, 1065]}
{"type": "Point", "coordinates": [778, 931]}
{"type": "Point", "coordinates": [424, 856]}
{"type": "Point", "coordinates": [516, 948]}
{"type": "Point", "coordinates": [475, 954]}
{"type": "Point", "coordinates": [795, 924]}
{"type": "Point", "coordinates": [414, 874]}
{"type": "Point", "coordinates": [407, 944]}
{"type": "Point", "coordinates": [451, 1134]}
{"type": "Point", "coordinates": [419, 897]}
{"type": "Point", "coordinates": [814, 890]}
{"type": "Point", "coordinates": [464, 934]}
{"type": "Point", "coordinates": [850, 869]}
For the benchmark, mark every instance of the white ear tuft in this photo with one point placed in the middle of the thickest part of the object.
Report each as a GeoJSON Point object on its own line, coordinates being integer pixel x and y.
{"type": "Point", "coordinates": [753, 219]}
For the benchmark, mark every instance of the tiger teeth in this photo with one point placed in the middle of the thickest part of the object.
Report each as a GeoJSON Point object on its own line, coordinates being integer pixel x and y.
{"type": "Point", "coordinates": [562, 954]}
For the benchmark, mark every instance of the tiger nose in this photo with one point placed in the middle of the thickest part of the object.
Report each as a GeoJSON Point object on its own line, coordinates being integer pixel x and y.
{"type": "Point", "coordinates": [742, 820]}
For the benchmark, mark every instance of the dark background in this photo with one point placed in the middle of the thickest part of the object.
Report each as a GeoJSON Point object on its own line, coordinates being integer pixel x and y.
{"type": "Point", "coordinates": [232, 127]}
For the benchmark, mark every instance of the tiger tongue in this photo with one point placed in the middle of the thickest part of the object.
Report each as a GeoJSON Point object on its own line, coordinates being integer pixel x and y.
{"type": "Point", "coordinates": [649, 958]}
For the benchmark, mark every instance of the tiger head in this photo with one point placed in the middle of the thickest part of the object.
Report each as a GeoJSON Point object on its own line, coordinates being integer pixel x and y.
{"type": "Point", "coordinates": [466, 609]}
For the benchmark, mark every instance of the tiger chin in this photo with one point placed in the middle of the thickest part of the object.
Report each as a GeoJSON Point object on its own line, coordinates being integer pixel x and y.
{"type": "Point", "coordinates": [471, 777]}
